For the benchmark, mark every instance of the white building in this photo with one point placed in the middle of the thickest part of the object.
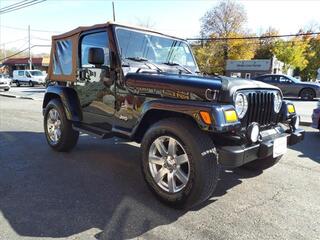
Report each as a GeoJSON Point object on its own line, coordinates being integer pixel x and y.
{"type": "Point", "coordinates": [253, 68]}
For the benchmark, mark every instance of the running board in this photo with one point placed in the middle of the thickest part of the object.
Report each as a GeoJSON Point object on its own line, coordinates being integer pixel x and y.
{"type": "Point", "coordinates": [93, 131]}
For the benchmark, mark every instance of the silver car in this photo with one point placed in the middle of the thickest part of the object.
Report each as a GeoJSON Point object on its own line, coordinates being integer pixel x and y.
{"type": "Point", "coordinates": [5, 82]}
{"type": "Point", "coordinates": [292, 87]}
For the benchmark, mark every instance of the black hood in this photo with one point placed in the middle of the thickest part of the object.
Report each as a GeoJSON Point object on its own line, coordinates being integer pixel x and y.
{"type": "Point", "coordinates": [194, 86]}
{"type": "Point", "coordinates": [232, 85]}
{"type": "Point", "coordinates": [165, 84]}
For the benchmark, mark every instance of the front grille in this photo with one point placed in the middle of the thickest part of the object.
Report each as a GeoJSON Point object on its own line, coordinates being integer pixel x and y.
{"type": "Point", "coordinates": [260, 108]}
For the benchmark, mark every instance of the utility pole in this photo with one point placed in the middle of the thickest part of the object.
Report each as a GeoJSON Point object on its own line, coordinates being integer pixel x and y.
{"type": "Point", "coordinates": [4, 51]}
{"type": "Point", "coordinates": [30, 57]}
{"type": "Point", "coordinates": [113, 11]}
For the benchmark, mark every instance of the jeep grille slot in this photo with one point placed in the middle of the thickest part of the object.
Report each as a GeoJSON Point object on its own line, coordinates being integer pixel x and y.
{"type": "Point", "coordinates": [260, 109]}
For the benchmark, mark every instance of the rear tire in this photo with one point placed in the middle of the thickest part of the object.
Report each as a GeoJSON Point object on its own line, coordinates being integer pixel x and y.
{"type": "Point", "coordinates": [31, 84]}
{"type": "Point", "coordinates": [59, 134]}
{"type": "Point", "coordinates": [17, 83]}
{"type": "Point", "coordinates": [262, 164]}
{"type": "Point", "coordinates": [307, 94]}
{"type": "Point", "coordinates": [6, 89]}
{"type": "Point", "coordinates": [201, 169]}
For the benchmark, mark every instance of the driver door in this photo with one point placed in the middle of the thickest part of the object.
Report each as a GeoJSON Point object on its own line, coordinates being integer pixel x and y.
{"type": "Point", "coordinates": [287, 86]}
{"type": "Point", "coordinates": [95, 89]}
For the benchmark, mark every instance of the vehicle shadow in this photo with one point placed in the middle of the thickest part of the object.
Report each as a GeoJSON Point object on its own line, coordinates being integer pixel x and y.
{"type": "Point", "coordinates": [309, 148]}
{"type": "Point", "coordinates": [99, 185]}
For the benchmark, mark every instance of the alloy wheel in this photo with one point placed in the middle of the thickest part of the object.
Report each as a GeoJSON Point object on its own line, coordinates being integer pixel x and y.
{"type": "Point", "coordinates": [169, 164]}
{"type": "Point", "coordinates": [54, 126]}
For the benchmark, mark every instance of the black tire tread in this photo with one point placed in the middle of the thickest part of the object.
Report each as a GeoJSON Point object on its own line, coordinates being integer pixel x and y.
{"type": "Point", "coordinates": [310, 90]}
{"type": "Point", "coordinates": [209, 171]}
{"type": "Point", "coordinates": [69, 136]}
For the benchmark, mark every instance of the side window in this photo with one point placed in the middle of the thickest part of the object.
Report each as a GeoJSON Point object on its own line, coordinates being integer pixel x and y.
{"type": "Point", "coordinates": [28, 75]}
{"type": "Point", "coordinates": [20, 73]}
{"type": "Point", "coordinates": [266, 79]}
{"type": "Point", "coordinates": [62, 60]}
{"type": "Point", "coordinates": [275, 79]}
{"type": "Point", "coordinates": [94, 40]}
{"type": "Point", "coordinates": [283, 79]}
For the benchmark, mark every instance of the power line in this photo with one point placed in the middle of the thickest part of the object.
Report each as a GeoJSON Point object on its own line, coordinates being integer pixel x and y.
{"type": "Point", "coordinates": [12, 5]}
{"type": "Point", "coordinates": [25, 29]}
{"type": "Point", "coordinates": [15, 54]}
{"type": "Point", "coordinates": [17, 40]}
{"type": "Point", "coordinates": [257, 38]}
{"type": "Point", "coordinates": [23, 50]}
{"type": "Point", "coordinates": [28, 4]}
{"type": "Point", "coordinates": [39, 38]}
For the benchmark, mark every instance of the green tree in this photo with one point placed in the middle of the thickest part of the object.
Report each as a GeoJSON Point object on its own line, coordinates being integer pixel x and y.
{"type": "Point", "coordinates": [313, 57]}
{"type": "Point", "coordinates": [292, 53]}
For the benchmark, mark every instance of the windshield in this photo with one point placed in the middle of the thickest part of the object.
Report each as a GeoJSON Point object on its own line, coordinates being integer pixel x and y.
{"type": "Point", "coordinates": [36, 73]}
{"type": "Point", "coordinates": [155, 48]}
{"type": "Point", "coordinates": [4, 76]}
{"type": "Point", "coordinates": [293, 79]}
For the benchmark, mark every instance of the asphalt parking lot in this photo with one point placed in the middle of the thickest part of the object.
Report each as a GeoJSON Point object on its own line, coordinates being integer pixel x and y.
{"type": "Point", "coordinates": [97, 191]}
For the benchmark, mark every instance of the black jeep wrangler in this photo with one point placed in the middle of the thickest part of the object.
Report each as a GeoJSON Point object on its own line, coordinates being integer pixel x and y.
{"type": "Point", "coordinates": [113, 80]}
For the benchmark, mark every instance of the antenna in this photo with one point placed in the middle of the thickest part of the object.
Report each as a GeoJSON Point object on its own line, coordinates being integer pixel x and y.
{"type": "Point", "coordinates": [113, 11]}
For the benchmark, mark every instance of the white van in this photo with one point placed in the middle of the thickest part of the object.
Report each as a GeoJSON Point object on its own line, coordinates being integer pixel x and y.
{"type": "Point", "coordinates": [30, 77]}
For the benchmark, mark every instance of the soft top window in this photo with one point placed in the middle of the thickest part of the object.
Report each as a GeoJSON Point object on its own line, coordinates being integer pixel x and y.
{"type": "Point", "coordinates": [94, 40]}
{"type": "Point", "coordinates": [62, 60]}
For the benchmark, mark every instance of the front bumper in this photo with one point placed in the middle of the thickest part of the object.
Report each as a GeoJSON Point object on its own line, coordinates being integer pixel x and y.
{"type": "Point", "coordinates": [4, 86]}
{"type": "Point", "coordinates": [235, 156]}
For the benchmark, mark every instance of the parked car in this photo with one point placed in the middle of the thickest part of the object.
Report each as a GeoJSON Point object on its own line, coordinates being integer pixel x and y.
{"type": "Point", "coordinates": [29, 77]}
{"type": "Point", "coordinates": [5, 82]}
{"type": "Point", "coordinates": [292, 87]}
{"type": "Point", "coordinates": [316, 117]}
{"type": "Point", "coordinates": [114, 80]}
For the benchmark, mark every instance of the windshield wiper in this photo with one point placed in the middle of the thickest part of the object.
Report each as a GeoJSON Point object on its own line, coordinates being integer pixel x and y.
{"type": "Point", "coordinates": [137, 59]}
{"type": "Point", "coordinates": [187, 70]}
{"type": "Point", "coordinates": [145, 61]}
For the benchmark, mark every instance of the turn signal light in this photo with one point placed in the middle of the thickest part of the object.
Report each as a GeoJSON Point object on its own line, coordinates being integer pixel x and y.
{"type": "Point", "coordinates": [205, 117]}
{"type": "Point", "coordinates": [231, 116]}
{"type": "Point", "coordinates": [290, 108]}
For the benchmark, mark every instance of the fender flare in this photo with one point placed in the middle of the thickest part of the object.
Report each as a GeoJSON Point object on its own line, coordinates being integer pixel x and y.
{"type": "Point", "coordinates": [189, 109]}
{"type": "Point", "coordinates": [69, 99]}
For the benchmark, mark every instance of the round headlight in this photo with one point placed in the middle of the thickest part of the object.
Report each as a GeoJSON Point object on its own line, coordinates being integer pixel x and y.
{"type": "Point", "coordinates": [241, 104]}
{"type": "Point", "coordinates": [277, 102]}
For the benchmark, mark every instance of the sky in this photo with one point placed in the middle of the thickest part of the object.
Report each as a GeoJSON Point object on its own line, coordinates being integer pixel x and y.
{"type": "Point", "coordinates": [178, 18]}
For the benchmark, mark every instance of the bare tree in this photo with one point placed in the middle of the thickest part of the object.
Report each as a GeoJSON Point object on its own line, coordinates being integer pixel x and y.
{"type": "Point", "coordinates": [225, 18]}
{"type": "Point", "coordinates": [145, 22]}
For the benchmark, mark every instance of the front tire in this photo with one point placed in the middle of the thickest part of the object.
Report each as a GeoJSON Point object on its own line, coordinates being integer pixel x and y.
{"type": "Point", "coordinates": [262, 164]}
{"type": "Point", "coordinates": [58, 129]}
{"type": "Point", "coordinates": [179, 163]}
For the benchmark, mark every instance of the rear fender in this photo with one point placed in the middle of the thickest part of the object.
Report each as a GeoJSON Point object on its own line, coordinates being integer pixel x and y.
{"type": "Point", "coordinates": [69, 99]}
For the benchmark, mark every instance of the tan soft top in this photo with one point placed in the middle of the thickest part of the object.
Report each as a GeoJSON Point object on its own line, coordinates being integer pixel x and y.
{"type": "Point", "coordinates": [81, 29]}
{"type": "Point", "coordinates": [63, 65]}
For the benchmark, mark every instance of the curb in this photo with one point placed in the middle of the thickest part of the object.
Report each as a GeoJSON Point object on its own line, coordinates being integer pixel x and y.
{"type": "Point", "coordinates": [14, 96]}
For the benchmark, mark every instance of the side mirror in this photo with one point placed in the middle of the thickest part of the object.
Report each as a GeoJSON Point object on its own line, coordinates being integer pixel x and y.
{"type": "Point", "coordinates": [96, 56]}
